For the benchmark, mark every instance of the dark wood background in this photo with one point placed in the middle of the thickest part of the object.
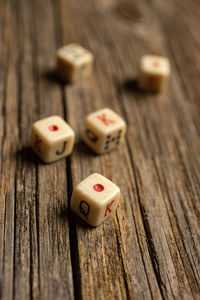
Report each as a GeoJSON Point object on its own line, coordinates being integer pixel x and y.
{"type": "Point", "coordinates": [150, 249]}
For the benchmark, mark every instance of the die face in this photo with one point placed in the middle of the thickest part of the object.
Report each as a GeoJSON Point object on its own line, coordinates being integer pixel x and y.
{"type": "Point", "coordinates": [65, 69]}
{"type": "Point", "coordinates": [95, 199]}
{"type": "Point", "coordinates": [52, 138]}
{"type": "Point", "coordinates": [39, 145]}
{"type": "Point", "coordinates": [155, 65]}
{"type": "Point", "coordinates": [154, 71]}
{"type": "Point", "coordinates": [51, 152]}
{"type": "Point", "coordinates": [113, 139]}
{"type": "Point", "coordinates": [75, 54]}
{"type": "Point", "coordinates": [74, 62]}
{"type": "Point", "coordinates": [152, 83]}
{"type": "Point", "coordinates": [104, 130]}
{"type": "Point", "coordinates": [82, 71]}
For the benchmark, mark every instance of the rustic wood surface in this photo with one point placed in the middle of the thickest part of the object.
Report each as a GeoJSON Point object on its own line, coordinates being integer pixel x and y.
{"type": "Point", "coordinates": [150, 249]}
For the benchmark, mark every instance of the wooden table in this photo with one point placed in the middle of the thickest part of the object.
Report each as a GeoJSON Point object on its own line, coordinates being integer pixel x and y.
{"type": "Point", "coordinates": [150, 248]}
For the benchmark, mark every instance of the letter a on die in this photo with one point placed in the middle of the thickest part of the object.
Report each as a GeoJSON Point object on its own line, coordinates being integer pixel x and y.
{"type": "Point", "coordinates": [95, 199]}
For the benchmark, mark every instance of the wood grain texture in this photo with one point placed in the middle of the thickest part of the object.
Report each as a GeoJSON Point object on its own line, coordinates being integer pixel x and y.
{"type": "Point", "coordinates": [150, 249]}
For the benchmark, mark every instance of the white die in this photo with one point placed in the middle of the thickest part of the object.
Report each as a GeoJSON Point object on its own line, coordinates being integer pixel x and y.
{"type": "Point", "coordinates": [52, 138]}
{"type": "Point", "coordinates": [95, 199]}
{"type": "Point", "coordinates": [74, 62]}
{"type": "Point", "coordinates": [154, 72]}
{"type": "Point", "coordinates": [104, 130]}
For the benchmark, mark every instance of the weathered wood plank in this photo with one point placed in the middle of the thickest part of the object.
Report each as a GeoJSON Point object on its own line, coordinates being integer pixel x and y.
{"type": "Point", "coordinates": [42, 252]}
{"type": "Point", "coordinates": [186, 140]}
{"type": "Point", "coordinates": [54, 244]}
{"type": "Point", "coordinates": [9, 138]}
{"type": "Point", "coordinates": [26, 226]}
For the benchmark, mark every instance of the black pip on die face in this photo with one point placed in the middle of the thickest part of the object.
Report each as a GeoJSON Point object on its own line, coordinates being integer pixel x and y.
{"type": "Point", "coordinates": [95, 199]}
{"type": "Point", "coordinates": [111, 141]}
{"type": "Point", "coordinates": [104, 130]}
{"type": "Point", "coordinates": [52, 138]}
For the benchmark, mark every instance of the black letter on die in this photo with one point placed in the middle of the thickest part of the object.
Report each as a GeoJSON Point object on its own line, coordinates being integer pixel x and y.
{"type": "Point", "coordinates": [63, 149]}
{"type": "Point", "coordinates": [84, 208]}
{"type": "Point", "coordinates": [91, 136]}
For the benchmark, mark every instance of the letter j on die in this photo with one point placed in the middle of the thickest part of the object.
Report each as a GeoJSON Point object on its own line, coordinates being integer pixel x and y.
{"type": "Point", "coordinates": [95, 199]}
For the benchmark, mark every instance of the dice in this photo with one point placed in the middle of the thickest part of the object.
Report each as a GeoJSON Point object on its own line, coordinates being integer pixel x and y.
{"type": "Point", "coordinates": [104, 130]}
{"type": "Point", "coordinates": [52, 138]}
{"type": "Point", "coordinates": [95, 199]}
{"type": "Point", "coordinates": [154, 72]}
{"type": "Point", "coordinates": [74, 63]}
